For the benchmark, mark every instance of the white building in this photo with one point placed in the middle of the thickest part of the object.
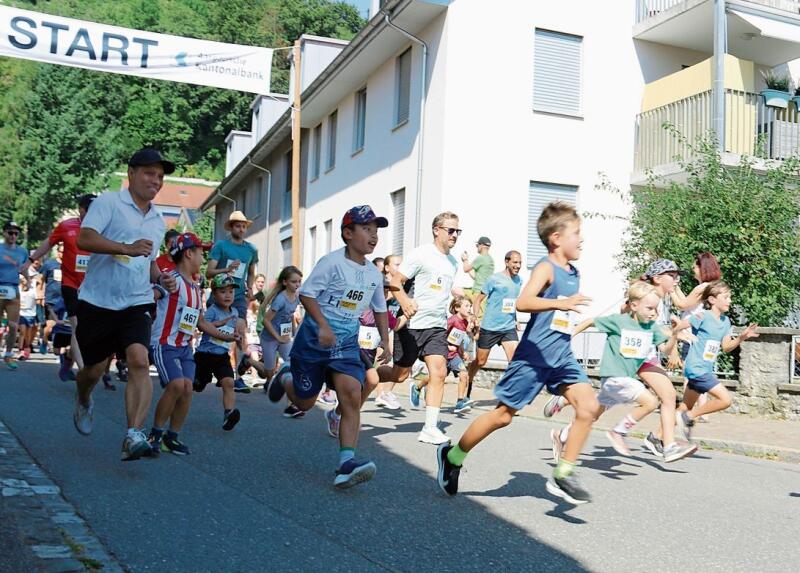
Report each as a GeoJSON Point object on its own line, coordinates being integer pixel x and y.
{"type": "Point", "coordinates": [521, 103]}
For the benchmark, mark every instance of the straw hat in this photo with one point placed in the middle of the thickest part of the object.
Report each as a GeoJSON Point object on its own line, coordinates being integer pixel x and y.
{"type": "Point", "coordinates": [237, 217]}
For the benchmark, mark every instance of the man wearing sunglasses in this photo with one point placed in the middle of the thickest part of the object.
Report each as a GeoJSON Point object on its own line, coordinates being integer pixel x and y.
{"type": "Point", "coordinates": [433, 270]}
{"type": "Point", "coordinates": [12, 258]}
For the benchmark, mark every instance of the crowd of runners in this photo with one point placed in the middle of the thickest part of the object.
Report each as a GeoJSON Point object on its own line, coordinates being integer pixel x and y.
{"type": "Point", "coordinates": [98, 293]}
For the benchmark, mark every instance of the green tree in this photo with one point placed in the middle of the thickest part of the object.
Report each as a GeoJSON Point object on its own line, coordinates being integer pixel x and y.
{"type": "Point", "coordinates": [748, 217]}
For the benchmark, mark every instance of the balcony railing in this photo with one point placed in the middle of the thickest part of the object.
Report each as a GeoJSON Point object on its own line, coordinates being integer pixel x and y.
{"type": "Point", "coordinates": [751, 128]}
{"type": "Point", "coordinates": [648, 8]}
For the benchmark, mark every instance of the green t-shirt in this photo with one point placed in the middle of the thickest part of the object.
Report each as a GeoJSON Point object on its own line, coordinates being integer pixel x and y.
{"type": "Point", "coordinates": [628, 344]}
{"type": "Point", "coordinates": [483, 265]}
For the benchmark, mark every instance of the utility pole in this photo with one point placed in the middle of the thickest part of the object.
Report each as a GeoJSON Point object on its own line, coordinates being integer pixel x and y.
{"type": "Point", "coordinates": [297, 255]}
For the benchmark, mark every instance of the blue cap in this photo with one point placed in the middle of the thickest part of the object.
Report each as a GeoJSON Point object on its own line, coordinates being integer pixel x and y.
{"type": "Point", "coordinates": [363, 215]}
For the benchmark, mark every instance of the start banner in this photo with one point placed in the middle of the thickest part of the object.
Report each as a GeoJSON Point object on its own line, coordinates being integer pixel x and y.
{"type": "Point", "coordinates": [55, 40]}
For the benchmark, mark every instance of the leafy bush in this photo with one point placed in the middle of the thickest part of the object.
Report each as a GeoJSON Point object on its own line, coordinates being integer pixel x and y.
{"type": "Point", "coordinates": [776, 81]}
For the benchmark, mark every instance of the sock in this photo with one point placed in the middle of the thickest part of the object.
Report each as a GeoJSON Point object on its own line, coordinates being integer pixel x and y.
{"type": "Point", "coordinates": [625, 425]}
{"type": "Point", "coordinates": [431, 416]}
{"type": "Point", "coordinates": [564, 433]}
{"type": "Point", "coordinates": [227, 411]}
{"type": "Point", "coordinates": [156, 433]}
{"type": "Point", "coordinates": [172, 435]}
{"type": "Point", "coordinates": [563, 469]}
{"type": "Point", "coordinates": [456, 455]}
{"type": "Point", "coordinates": [346, 454]}
{"type": "Point", "coordinates": [132, 431]}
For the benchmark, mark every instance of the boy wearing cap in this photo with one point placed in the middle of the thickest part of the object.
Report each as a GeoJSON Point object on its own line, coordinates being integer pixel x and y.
{"type": "Point", "coordinates": [12, 260]}
{"type": "Point", "coordinates": [178, 315]}
{"type": "Point", "coordinates": [342, 285]}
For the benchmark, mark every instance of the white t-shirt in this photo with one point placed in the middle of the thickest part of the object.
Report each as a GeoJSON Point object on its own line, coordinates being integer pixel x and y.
{"type": "Point", "coordinates": [433, 273]}
{"type": "Point", "coordinates": [27, 303]}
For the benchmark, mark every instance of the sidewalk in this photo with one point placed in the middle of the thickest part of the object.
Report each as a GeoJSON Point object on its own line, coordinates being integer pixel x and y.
{"type": "Point", "coordinates": [734, 433]}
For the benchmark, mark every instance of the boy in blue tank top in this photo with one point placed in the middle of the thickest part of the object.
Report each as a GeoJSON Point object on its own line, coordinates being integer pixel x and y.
{"type": "Point", "coordinates": [543, 358]}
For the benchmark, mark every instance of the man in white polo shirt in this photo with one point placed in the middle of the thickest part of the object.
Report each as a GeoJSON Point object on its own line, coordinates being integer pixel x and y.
{"type": "Point", "coordinates": [122, 231]}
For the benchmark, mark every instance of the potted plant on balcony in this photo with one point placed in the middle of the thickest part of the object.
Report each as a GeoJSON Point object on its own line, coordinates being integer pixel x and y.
{"type": "Point", "coordinates": [777, 92]}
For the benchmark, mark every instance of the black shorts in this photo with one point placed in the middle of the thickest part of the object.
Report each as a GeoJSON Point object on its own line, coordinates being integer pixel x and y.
{"type": "Point", "coordinates": [208, 365]}
{"type": "Point", "coordinates": [410, 344]}
{"type": "Point", "coordinates": [102, 332]}
{"type": "Point", "coordinates": [70, 296]}
{"type": "Point", "coordinates": [488, 339]}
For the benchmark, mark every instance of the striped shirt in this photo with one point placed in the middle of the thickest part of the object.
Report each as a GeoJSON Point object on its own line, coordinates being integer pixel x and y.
{"type": "Point", "coordinates": [177, 314]}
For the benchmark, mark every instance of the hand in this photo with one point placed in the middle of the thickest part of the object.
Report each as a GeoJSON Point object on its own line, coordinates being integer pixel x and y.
{"type": "Point", "coordinates": [140, 248]}
{"type": "Point", "coordinates": [234, 264]}
{"type": "Point", "coordinates": [236, 337]}
{"type": "Point", "coordinates": [168, 282]}
{"type": "Point", "coordinates": [749, 332]}
{"type": "Point", "coordinates": [385, 356]}
{"type": "Point", "coordinates": [674, 362]}
{"type": "Point", "coordinates": [410, 309]}
{"type": "Point", "coordinates": [326, 337]}
{"type": "Point", "coordinates": [464, 256]}
{"type": "Point", "coordinates": [285, 339]}
{"type": "Point", "coordinates": [574, 302]}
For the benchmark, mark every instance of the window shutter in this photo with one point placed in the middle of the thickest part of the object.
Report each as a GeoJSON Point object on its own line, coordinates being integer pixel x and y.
{"type": "Point", "coordinates": [333, 120]}
{"type": "Point", "coordinates": [398, 221]}
{"type": "Point", "coordinates": [403, 95]}
{"type": "Point", "coordinates": [539, 195]}
{"type": "Point", "coordinates": [317, 151]}
{"type": "Point", "coordinates": [557, 73]}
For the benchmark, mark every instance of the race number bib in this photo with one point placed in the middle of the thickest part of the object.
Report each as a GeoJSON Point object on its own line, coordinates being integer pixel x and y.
{"type": "Point", "coordinates": [135, 264]}
{"type": "Point", "coordinates": [564, 321]}
{"type": "Point", "coordinates": [354, 299]}
{"type": "Point", "coordinates": [456, 337]}
{"type": "Point", "coordinates": [509, 305]}
{"type": "Point", "coordinates": [437, 284]}
{"type": "Point", "coordinates": [368, 337]}
{"type": "Point", "coordinates": [227, 329]}
{"type": "Point", "coordinates": [82, 263]}
{"type": "Point", "coordinates": [239, 271]}
{"type": "Point", "coordinates": [8, 292]}
{"type": "Point", "coordinates": [635, 344]}
{"type": "Point", "coordinates": [189, 318]}
{"type": "Point", "coordinates": [285, 329]}
{"type": "Point", "coordinates": [711, 351]}
{"type": "Point", "coordinates": [57, 275]}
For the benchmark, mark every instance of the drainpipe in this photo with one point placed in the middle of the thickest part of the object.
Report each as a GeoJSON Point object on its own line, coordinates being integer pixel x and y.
{"type": "Point", "coordinates": [718, 87]}
{"type": "Point", "coordinates": [421, 137]}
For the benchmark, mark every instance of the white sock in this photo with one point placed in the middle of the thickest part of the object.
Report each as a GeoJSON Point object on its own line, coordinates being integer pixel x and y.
{"type": "Point", "coordinates": [625, 425]}
{"type": "Point", "coordinates": [431, 416]}
{"type": "Point", "coordinates": [564, 433]}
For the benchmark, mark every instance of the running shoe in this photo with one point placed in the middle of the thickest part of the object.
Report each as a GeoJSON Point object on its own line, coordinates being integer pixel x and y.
{"type": "Point", "coordinates": [569, 489]}
{"type": "Point", "coordinates": [231, 419]}
{"type": "Point", "coordinates": [419, 369]}
{"type": "Point", "coordinates": [328, 397]}
{"type": "Point", "coordinates": [240, 386]}
{"type": "Point", "coordinates": [11, 363]}
{"type": "Point", "coordinates": [387, 400]}
{"type": "Point", "coordinates": [135, 445]}
{"type": "Point", "coordinates": [413, 394]}
{"type": "Point", "coordinates": [432, 436]}
{"type": "Point", "coordinates": [353, 473]}
{"type": "Point", "coordinates": [685, 425]}
{"type": "Point", "coordinates": [43, 348]}
{"type": "Point", "coordinates": [63, 370]}
{"type": "Point", "coordinates": [122, 371]}
{"type": "Point", "coordinates": [462, 406]}
{"type": "Point", "coordinates": [25, 354]}
{"type": "Point", "coordinates": [275, 389]}
{"type": "Point", "coordinates": [653, 444]}
{"type": "Point", "coordinates": [107, 384]}
{"type": "Point", "coordinates": [558, 445]}
{"type": "Point", "coordinates": [469, 401]}
{"type": "Point", "coordinates": [83, 417]}
{"type": "Point", "coordinates": [677, 451]}
{"type": "Point", "coordinates": [554, 406]}
{"type": "Point", "coordinates": [618, 443]}
{"type": "Point", "coordinates": [332, 420]}
{"type": "Point", "coordinates": [174, 445]}
{"type": "Point", "coordinates": [155, 446]}
{"type": "Point", "coordinates": [244, 365]}
{"type": "Point", "coordinates": [448, 473]}
{"type": "Point", "coordinates": [293, 411]}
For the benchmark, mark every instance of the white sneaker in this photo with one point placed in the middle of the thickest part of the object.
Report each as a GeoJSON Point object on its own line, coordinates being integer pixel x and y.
{"type": "Point", "coordinates": [418, 368]}
{"type": "Point", "coordinates": [134, 446]}
{"type": "Point", "coordinates": [387, 400]}
{"type": "Point", "coordinates": [432, 436]}
{"type": "Point", "coordinates": [83, 416]}
{"type": "Point", "coordinates": [381, 400]}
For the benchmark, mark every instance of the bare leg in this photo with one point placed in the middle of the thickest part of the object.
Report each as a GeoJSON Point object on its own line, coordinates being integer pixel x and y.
{"type": "Point", "coordinates": [181, 410]}
{"type": "Point", "coordinates": [86, 380]}
{"type": "Point", "coordinates": [76, 351]}
{"type": "Point", "coordinates": [437, 371]}
{"type": "Point", "coordinates": [349, 392]}
{"type": "Point", "coordinates": [484, 425]}
{"type": "Point", "coordinates": [228, 396]}
{"type": "Point", "coordinates": [587, 409]}
{"type": "Point", "coordinates": [662, 386]}
{"type": "Point", "coordinates": [139, 391]}
{"type": "Point", "coordinates": [720, 400]}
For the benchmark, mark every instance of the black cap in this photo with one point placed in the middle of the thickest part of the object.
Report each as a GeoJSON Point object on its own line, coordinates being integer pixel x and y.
{"type": "Point", "coordinates": [85, 200]}
{"type": "Point", "coordinates": [149, 156]}
{"type": "Point", "coordinates": [485, 241]}
{"type": "Point", "coordinates": [11, 225]}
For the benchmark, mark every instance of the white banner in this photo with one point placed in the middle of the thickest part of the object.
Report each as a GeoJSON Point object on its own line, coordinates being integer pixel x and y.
{"type": "Point", "coordinates": [55, 40]}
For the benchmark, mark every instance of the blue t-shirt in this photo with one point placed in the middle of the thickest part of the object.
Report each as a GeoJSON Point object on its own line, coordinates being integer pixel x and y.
{"type": "Point", "coordinates": [226, 251]}
{"type": "Point", "coordinates": [546, 342]}
{"type": "Point", "coordinates": [501, 291]}
{"type": "Point", "coordinates": [51, 271]}
{"type": "Point", "coordinates": [11, 259]}
{"type": "Point", "coordinates": [284, 314]}
{"type": "Point", "coordinates": [213, 345]}
{"type": "Point", "coordinates": [710, 332]}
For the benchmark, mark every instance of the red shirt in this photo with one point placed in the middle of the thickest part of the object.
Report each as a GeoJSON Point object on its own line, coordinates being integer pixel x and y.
{"type": "Point", "coordinates": [72, 273]}
{"type": "Point", "coordinates": [164, 263]}
{"type": "Point", "coordinates": [457, 338]}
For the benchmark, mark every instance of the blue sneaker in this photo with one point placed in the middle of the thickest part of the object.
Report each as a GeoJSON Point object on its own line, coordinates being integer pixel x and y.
{"type": "Point", "coordinates": [462, 406]}
{"type": "Point", "coordinates": [353, 473]}
{"type": "Point", "coordinates": [43, 348]}
{"type": "Point", "coordinates": [413, 394]}
{"type": "Point", "coordinates": [275, 389]}
{"type": "Point", "coordinates": [240, 386]}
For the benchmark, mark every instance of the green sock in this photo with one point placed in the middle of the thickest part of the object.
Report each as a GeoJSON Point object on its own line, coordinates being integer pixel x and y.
{"type": "Point", "coordinates": [563, 469]}
{"type": "Point", "coordinates": [456, 456]}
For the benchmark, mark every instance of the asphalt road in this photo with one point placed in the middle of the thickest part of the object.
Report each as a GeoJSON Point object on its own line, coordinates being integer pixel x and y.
{"type": "Point", "coordinates": [260, 498]}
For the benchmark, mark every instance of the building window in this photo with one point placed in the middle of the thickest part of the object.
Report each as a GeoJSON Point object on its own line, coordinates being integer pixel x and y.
{"type": "Point", "coordinates": [398, 221]}
{"type": "Point", "coordinates": [539, 195]}
{"type": "Point", "coordinates": [313, 242]}
{"type": "Point", "coordinates": [557, 84]}
{"type": "Point", "coordinates": [333, 119]}
{"type": "Point", "coordinates": [317, 158]}
{"type": "Point", "coordinates": [403, 87]}
{"type": "Point", "coordinates": [360, 120]}
{"type": "Point", "coordinates": [286, 250]}
{"type": "Point", "coordinates": [286, 207]}
{"type": "Point", "coordinates": [328, 235]}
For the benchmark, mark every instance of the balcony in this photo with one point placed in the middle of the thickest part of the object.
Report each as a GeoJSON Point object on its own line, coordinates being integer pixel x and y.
{"type": "Point", "coordinates": [646, 9]}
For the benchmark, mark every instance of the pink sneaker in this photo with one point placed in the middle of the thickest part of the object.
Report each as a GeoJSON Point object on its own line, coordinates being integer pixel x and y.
{"type": "Point", "coordinates": [618, 443]}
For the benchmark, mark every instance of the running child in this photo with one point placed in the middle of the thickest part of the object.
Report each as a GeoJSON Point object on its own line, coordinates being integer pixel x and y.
{"type": "Point", "coordinates": [27, 317]}
{"type": "Point", "coordinates": [543, 358]}
{"type": "Point", "coordinates": [212, 357]}
{"type": "Point", "coordinates": [342, 285]}
{"type": "Point", "coordinates": [178, 315]}
{"type": "Point", "coordinates": [461, 329]}
{"type": "Point", "coordinates": [713, 332]}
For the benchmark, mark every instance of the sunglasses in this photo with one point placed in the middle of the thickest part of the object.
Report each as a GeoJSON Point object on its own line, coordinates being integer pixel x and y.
{"type": "Point", "coordinates": [12, 233]}
{"type": "Point", "coordinates": [451, 231]}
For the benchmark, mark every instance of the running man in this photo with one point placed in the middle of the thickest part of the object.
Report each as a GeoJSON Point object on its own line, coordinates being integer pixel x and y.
{"type": "Point", "coordinates": [12, 261]}
{"type": "Point", "coordinates": [433, 269]}
{"type": "Point", "coordinates": [122, 231]}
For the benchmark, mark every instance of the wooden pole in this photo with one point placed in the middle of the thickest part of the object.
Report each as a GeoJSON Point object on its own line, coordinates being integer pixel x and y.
{"type": "Point", "coordinates": [297, 255]}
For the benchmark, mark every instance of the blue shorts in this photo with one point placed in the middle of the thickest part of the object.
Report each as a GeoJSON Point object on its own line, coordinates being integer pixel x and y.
{"type": "Point", "coordinates": [455, 365]}
{"type": "Point", "coordinates": [27, 321]}
{"type": "Point", "coordinates": [522, 381]}
{"type": "Point", "coordinates": [173, 363]}
{"type": "Point", "coordinates": [704, 383]}
{"type": "Point", "coordinates": [309, 376]}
